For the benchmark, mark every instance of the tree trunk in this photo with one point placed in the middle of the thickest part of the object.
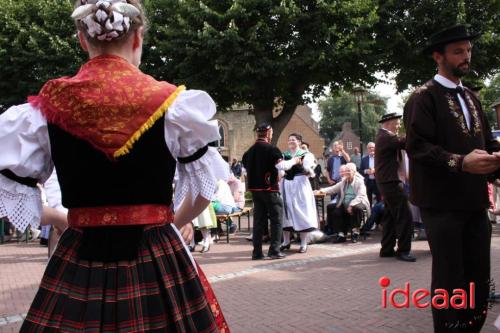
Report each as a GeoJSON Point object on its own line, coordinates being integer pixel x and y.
{"type": "Point", "coordinates": [279, 123]}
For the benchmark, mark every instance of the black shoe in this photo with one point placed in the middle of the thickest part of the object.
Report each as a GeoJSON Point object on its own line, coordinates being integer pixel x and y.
{"type": "Point", "coordinates": [354, 238]}
{"type": "Point", "coordinates": [285, 247]}
{"type": "Point", "coordinates": [259, 257]}
{"type": "Point", "coordinates": [406, 257]}
{"type": "Point", "coordinates": [279, 255]}
{"type": "Point", "coordinates": [339, 239]}
{"type": "Point", "coordinates": [303, 249]}
{"type": "Point", "coordinates": [192, 248]}
{"type": "Point", "coordinates": [387, 254]}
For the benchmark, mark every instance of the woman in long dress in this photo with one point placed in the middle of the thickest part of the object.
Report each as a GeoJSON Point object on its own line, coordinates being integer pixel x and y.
{"type": "Point", "coordinates": [115, 136]}
{"type": "Point", "coordinates": [298, 198]}
{"type": "Point", "coordinates": [204, 222]}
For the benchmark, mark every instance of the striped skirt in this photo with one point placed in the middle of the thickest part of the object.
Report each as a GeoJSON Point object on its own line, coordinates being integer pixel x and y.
{"type": "Point", "coordinates": [158, 291]}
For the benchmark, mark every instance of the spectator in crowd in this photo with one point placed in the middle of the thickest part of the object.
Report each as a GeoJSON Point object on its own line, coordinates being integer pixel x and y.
{"type": "Point", "coordinates": [338, 157]}
{"type": "Point", "coordinates": [351, 204]}
{"type": "Point", "coordinates": [368, 171]}
{"type": "Point", "coordinates": [223, 200]}
{"type": "Point", "coordinates": [375, 219]}
{"type": "Point", "coordinates": [238, 190]}
{"type": "Point", "coordinates": [236, 168]}
{"type": "Point", "coordinates": [356, 158]}
{"type": "Point", "coordinates": [398, 221]}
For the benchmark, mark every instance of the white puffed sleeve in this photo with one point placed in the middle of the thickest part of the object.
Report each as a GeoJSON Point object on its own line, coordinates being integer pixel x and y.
{"type": "Point", "coordinates": [53, 193]}
{"type": "Point", "coordinates": [26, 152]}
{"type": "Point", "coordinates": [188, 128]}
{"type": "Point", "coordinates": [308, 164]}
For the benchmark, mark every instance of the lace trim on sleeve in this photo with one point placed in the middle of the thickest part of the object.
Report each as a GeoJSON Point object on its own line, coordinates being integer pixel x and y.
{"type": "Point", "coordinates": [200, 177]}
{"type": "Point", "coordinates": [21, 204]}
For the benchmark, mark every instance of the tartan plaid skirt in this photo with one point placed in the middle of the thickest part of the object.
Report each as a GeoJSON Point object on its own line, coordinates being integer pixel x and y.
{"type": "Point", "coordinates": [159, 291]}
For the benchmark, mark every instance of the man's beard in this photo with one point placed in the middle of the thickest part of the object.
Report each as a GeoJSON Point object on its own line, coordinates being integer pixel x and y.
{"type": "Point", "coordinates": [458, 72]}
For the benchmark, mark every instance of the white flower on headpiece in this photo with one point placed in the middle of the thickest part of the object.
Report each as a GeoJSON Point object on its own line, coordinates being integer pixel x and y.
{"type": "Point", "coordinates": [103, 3]}
{"type": "Point", "coordinates": [101, 15]}
{"type": "Point", "coordinates": [93, 28]}
{"type": "Point", "coordinates": [117, 21]}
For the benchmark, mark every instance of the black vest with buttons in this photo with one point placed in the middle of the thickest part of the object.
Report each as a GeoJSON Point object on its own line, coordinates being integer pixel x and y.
{"type": "Point", "coordinates": [89, 179]}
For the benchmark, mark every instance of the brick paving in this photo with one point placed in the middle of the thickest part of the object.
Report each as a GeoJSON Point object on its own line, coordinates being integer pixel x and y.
{"type": "Point", "coordinates": [331, 288]}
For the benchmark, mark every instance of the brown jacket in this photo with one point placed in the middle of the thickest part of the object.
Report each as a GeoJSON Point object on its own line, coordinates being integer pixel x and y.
{"type": "Point", "coordinates": [387, 156]}
{"type": "Point", "coordinates": [437, 141]}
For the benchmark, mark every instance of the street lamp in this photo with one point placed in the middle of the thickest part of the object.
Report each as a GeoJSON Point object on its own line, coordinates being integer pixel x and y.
{"type": "Point", "coordinates": [359, 94]}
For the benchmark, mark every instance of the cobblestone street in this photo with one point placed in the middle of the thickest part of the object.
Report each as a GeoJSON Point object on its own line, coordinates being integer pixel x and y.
{"type": "Point", "coordinates": [331, 288]}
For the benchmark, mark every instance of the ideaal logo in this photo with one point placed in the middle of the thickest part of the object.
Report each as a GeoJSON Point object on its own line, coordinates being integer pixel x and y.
{"type": "Point", "coordinates": [460, 298]}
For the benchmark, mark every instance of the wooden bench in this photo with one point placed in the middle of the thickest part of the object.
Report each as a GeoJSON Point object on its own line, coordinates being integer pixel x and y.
{"type": "Point", "coordinates": [226, 219]}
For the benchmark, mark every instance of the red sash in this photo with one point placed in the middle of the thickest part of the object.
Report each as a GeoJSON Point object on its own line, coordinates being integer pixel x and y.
{"type": "Point", "coordinates": [119, 215]}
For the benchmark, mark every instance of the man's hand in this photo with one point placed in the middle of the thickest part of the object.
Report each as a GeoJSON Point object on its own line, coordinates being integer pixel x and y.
{"type": "Point", "coordinates": [319, 192]}
{"type": "Point", "coordinates": [187, 232]}
{"type": "Point", "coordinates": [480, 162]}
{"type": "Point", "coordinates": [349, 210]}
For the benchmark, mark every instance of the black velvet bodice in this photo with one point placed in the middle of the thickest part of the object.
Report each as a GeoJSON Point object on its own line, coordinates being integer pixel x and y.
{"type": "Point", "coordinates": [89, 179]}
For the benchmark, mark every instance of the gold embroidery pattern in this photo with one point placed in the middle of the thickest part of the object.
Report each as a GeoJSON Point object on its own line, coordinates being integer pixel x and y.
{"type": "Point", "coordinates": [454, 161]}
{"type": "Point", "coordinates": [109, 103]}
{"type": "Point", "coordinates": [456, 111]}
{"type": "Point", "coordinates": [423, 87]}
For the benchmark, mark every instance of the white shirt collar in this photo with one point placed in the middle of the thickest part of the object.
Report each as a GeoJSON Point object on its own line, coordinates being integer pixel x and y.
{"type": "Point", "coordinates": [446, 82]}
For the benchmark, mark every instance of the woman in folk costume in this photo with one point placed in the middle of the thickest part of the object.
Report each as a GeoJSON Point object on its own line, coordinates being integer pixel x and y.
{"type": "Point", "coordinates": [298, 198]}
{"type": "Point", "coordinates": [115, 135]}
{"type": "Point", "coordinates": [204, 222]}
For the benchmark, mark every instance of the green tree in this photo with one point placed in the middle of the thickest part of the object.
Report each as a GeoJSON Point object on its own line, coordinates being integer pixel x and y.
{"type": "Point", "coordinates": [404, 25]}
{"type": "Point", "coordinates": [266, 53]}
{"type": "Point", "coordinates": [489, 95]}
{"type": "Point", "coordinates": [342, 107]}
{"type": "Point", "coordinates": [37, 42]}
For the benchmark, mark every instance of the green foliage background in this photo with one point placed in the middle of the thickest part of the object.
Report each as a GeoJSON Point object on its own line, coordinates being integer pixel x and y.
{"type": "Point", "coordinates": [270, 54]}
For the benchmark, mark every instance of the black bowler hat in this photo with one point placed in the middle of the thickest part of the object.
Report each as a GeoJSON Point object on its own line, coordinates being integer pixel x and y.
{"type": "Point", "coordinates": [262, 127]}
{"type": "Point", "coordinates": [389, 116]}
{"type": "Point", "coordinates": [447, 36]}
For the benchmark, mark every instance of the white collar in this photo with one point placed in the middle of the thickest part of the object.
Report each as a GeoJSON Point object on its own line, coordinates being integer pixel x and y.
{"type": "Point", "coordinates": [446, 82]}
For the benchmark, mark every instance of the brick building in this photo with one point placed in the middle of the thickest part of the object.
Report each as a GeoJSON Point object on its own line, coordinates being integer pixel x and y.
{"type": "Point", "coordinates": [237, 135]}
{"type": "Point", "coordinates": [349, 138]}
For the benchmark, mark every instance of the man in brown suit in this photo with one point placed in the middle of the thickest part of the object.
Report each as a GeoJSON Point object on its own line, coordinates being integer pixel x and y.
{"type": "Point", "coordinates": [451, 151]}
{"type": "Point", "coordinates": [397, 220]}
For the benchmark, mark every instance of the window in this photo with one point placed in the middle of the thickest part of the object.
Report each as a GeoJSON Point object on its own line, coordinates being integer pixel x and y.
{"type": "Point", "coordinates": [222, 142]}
{"type": "Point", "coordinates": [349, 145]}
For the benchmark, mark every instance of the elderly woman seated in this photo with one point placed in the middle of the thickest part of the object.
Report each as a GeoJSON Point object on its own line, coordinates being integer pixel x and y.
{"type": "Point", "coordinates": [351, 202]}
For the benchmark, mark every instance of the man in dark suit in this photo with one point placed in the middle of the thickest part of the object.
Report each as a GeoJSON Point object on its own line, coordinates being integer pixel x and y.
{"type": "Point", "coordinates": [397, 220]}
{"type": "Point", "coordinates": [262, 162]}
{"type": "Point", "coordinates": [451, 151]}
{"type": "Point", "coordinates": [368, 170]}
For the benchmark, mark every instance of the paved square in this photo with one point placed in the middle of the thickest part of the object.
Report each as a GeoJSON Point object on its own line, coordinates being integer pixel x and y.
{"type": "Point", "coordinates": [331, 288]}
